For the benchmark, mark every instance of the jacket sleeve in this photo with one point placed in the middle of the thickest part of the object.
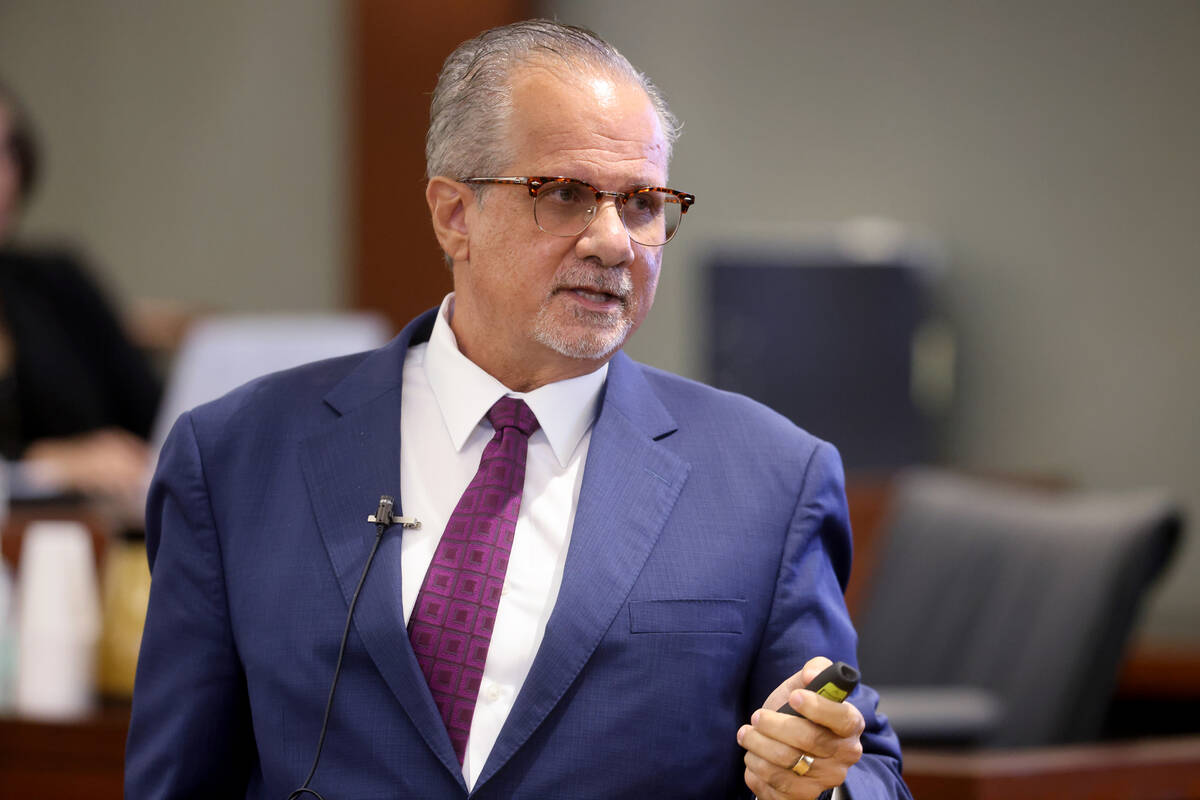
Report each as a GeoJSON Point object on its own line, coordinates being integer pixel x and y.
{"type": "Point", "coordinates": [190, 734]}
{"type": "Point", "coordinates": [809, 618]}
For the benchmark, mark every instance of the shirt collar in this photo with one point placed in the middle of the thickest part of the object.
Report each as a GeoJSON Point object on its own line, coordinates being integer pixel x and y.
{"type": "Point", "coordinates": [464, 393]}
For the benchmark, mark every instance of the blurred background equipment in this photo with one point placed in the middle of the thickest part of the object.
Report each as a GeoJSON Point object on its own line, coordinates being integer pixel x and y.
{"type": "Point", "coordinates": [220, 353]}
{"type": "Point", "coordinates": [839, 336]}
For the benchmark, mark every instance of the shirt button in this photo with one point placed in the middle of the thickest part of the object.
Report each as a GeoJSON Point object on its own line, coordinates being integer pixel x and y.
{"type": "Point", "coordinates": [504, 590]}
{"type": "Point", "coordinates": [493, 693]}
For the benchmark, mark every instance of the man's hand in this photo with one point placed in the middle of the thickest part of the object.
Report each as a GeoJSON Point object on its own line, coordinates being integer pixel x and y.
{"type": "Point", "coordinates": [828, 732]}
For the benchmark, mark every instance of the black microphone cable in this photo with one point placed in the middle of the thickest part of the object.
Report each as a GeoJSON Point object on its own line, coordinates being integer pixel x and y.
{"type": "Point", "coordinates": [383, 519]}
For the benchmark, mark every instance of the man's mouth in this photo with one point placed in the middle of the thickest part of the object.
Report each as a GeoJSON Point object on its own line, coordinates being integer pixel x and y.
{"type": "Point", "coordinates": [596, 296]}
{"type": "Point", "coordinates": [604, 293]}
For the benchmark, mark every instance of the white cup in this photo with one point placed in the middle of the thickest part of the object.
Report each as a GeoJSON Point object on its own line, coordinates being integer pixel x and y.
{"type": "Point", "coordinates": [58, 621]}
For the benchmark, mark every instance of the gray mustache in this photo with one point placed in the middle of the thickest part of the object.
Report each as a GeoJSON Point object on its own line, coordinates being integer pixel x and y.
{"type": "Point", "coordinates": [618, 283]}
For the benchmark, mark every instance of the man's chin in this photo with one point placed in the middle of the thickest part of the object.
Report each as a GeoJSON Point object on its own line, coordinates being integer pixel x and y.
{"type": "Point", "coordinates": [583, 341]}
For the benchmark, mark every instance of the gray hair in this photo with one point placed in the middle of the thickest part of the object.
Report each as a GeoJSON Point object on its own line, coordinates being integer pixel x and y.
{"type": "Point", "coordinates": [472, 103]}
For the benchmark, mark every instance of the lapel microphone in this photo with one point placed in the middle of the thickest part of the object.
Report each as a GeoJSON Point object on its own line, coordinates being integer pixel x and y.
{"type": "Point", "coordinates": [383, 518]}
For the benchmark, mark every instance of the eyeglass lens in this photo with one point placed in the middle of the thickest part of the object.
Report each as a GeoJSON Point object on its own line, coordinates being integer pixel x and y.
{"type": "Point", "coordinates": [565, 208]}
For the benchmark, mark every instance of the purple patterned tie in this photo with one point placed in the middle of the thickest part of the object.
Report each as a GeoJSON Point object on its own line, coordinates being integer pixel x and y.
{"type": "Point", "coordinates": [451, 623]}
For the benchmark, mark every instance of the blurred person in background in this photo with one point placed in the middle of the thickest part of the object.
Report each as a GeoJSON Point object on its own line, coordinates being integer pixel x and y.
{"type": "Point", "coordinates": [77, 397]}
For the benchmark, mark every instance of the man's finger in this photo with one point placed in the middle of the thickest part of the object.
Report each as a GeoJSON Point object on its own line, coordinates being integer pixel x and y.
{"type": "Point", "coordinates": [772, 750]}
{"type": "Point", "coordinates": [796, 732]}
{"type": "Point", "coordinates": [768, 781]}
{"type": "Point", "coordinates": [812, 668]}
{"type": "Point", "coordinates": [761, 789]}
{"type": "Point", "coordinates": [798, 680]}
{"type": "Point", "coordinates": [843, 719]}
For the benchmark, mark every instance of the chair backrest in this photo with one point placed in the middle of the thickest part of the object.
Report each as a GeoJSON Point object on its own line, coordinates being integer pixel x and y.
{"type": "Point", "coordinates": [1029, 594]}
{"type": "Point", "coordinates": [221, 353]}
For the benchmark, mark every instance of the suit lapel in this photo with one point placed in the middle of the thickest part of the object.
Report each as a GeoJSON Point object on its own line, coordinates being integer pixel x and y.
{"type": "Point", "coordinates": [630, 486]}
{"type": "Point", "coordinates": [347, 466]}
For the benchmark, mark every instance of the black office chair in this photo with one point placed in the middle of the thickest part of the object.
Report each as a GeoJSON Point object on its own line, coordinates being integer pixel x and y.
{"type": "Point", "coordinates": [999, 614]}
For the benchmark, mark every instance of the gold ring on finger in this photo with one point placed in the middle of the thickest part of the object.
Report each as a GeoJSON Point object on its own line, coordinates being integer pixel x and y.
{"type": "Point", "coordinates": [803, 765]}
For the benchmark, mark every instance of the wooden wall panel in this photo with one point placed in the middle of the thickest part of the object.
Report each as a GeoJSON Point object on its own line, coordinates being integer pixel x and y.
{"type": "Point", "coordinates": [396, 49]}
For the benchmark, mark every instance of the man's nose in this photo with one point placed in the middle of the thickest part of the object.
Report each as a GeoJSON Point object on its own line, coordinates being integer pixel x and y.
{"type": "Point", "coordinates": [606, 239]}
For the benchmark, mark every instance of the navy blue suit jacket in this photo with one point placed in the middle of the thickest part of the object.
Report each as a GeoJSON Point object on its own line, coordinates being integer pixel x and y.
{"type": "Point", "coordinates": [707, 563]}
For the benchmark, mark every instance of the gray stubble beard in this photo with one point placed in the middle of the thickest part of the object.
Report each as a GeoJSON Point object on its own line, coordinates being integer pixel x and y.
{"type": "Point", "coordinates": [601, 335]}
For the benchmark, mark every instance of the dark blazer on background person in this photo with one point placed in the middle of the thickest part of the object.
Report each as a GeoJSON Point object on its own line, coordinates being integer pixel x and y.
{"type": "Point", "coordinates": [706, 564]}
{"type": "Point", "coordinates": [74, 370]}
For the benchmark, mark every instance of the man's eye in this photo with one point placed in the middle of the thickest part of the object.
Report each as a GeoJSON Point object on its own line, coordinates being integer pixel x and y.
{"type": "Point", "coordinates": [648, 203]}
{"type": "Point", "coordinates": [564, 194]}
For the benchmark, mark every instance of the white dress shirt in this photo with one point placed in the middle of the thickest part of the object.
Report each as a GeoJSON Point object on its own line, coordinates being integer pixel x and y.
{"type": "Point", "coordinates": [443, 431]}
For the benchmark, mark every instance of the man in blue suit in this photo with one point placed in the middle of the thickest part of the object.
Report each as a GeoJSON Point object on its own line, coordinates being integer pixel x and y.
{"type": "Point", "coordinates": [676, 557]}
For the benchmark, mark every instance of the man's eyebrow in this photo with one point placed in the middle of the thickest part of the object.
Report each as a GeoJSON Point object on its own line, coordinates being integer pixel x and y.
{"type": "Point", "coordinates": [629, 186]}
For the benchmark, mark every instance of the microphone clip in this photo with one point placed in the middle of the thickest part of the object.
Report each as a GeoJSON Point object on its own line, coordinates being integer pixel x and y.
{"type": "Point", "coordinates": [384, 516]}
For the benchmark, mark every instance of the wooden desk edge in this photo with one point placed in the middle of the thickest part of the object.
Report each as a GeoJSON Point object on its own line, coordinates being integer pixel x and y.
{"type": "Point", "coordinates": [1155, 769]}
{"type": "Point", "coordinates": [1161, 670]}
{"type": "Point", "coordinates": [1159, 752]}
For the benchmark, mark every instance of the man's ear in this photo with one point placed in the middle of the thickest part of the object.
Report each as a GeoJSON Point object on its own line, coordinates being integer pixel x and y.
{"type": "Point", "coordinates": [448, 209]}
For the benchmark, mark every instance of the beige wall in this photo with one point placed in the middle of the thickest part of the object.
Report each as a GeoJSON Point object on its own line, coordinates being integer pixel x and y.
{"type": "Point", "coordinates": [195, 149]}
{"type": "Point", "coordinates": [1052, 146]}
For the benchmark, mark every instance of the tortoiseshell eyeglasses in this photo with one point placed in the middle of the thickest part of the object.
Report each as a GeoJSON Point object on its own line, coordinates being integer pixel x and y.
{"type": "Point", "coordinates": [565, 207]}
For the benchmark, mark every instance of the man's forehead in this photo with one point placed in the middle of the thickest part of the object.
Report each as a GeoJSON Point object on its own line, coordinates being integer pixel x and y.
{"type": "Point", "coordinates": [602, 174]}
{"type": "Point", "coordinates": [575, 77]}
{"type": "Point", "coordinates": [587, 124]}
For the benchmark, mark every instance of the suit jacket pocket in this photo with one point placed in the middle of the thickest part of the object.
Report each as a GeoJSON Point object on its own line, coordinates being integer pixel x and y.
{"type": "Point", "coordinates": [699, 615]}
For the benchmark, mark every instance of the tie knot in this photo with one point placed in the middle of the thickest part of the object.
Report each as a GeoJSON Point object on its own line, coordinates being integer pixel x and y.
{"type": "Point", "coordinates": [509, 412]}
